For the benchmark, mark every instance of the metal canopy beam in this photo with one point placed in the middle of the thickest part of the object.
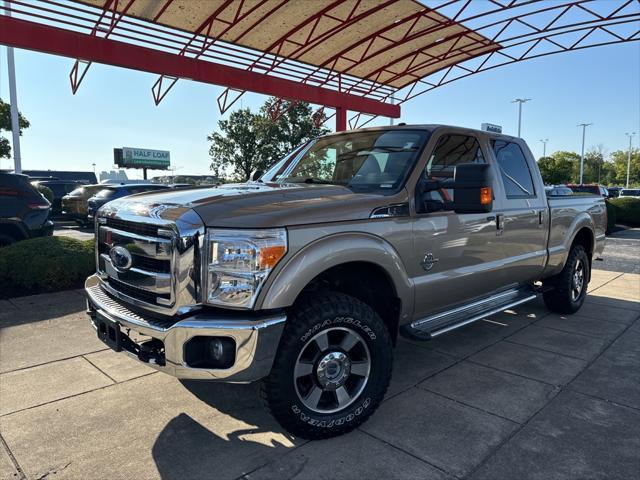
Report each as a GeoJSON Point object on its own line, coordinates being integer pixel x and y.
{"type": "Point", "coordinates": [38, 37]}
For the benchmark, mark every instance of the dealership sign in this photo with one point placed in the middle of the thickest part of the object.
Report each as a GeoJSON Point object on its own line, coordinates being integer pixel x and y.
{"type": "Point", "coordinates": [490, 127]}
{"type": "Point", "coordinates": [128, 157]}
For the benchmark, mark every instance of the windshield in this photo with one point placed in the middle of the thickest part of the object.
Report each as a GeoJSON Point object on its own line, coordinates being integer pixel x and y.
{"type": "Point", "coordinates": [369, 161]}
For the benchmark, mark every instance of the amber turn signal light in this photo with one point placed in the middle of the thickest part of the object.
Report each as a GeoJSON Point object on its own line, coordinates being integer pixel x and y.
{"type": "Point", "coordinates": [486, 196]}
{"type": "Point", "coordinates": [269, 256]}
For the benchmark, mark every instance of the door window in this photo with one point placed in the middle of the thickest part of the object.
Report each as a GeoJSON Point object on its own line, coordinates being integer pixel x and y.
{"type": "Point", "coordinates": [450, 151]}
{"type": "Point", "coordinates": [514, 169]}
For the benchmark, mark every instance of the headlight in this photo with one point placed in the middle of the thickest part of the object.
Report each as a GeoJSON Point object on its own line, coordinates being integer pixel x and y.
{"type": "Point", "coordinates": [239, 262]}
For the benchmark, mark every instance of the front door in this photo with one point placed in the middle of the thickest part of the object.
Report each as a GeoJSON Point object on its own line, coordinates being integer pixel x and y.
{"type": "Point", "coordinates": [458, 257]}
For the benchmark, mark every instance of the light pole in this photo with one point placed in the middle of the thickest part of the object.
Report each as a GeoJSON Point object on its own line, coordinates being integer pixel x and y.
{"type": "Point", "coordinates": [13, 99]}
{"type": "Point", "coordinates": [630, 135]}
{"type": "Point", "coordinates": [544, 146]}
{"type": "Point", "coordinates": [584, 128]}
{"type": "Point", "coordinates": [520, 101]}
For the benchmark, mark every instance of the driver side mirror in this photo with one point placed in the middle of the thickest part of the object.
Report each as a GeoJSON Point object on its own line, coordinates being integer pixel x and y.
{"type": "Point", "coordinates": [473, 192]}
{"type": "Point", "coordinates": [255, 175]}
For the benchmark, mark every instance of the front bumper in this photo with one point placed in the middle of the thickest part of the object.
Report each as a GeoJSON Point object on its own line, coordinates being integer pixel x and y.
{"type": "Point", "coordinates": [256, 337]}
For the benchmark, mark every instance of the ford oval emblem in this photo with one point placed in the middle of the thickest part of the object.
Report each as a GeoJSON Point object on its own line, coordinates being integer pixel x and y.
{"type": "Point", "coordinates": [120, 258]}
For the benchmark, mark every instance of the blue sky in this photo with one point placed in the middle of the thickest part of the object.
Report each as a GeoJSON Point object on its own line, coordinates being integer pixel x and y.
{"type": "Point", "coordinates": [114, 108]}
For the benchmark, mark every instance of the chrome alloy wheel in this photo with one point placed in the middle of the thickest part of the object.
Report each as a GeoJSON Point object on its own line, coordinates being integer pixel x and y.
{"type": "Point", "coordinates": [332, 370]}
{"type": "Point", "coordinates": [577, 280]}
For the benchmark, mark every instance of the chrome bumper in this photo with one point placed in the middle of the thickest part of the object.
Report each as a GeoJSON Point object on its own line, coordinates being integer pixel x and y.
{"type": "Point", "coordinates": [256, 338]}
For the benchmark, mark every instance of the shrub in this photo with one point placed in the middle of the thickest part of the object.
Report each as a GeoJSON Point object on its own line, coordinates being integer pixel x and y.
{"type": "Point", "coordinates": [627, 210]}
{"type": "Point", "coordinates": [611, 216]}
{"type": "Point", "coordinates": [46, 192]}
{"type": "Point", "coordinates": [45, 264]}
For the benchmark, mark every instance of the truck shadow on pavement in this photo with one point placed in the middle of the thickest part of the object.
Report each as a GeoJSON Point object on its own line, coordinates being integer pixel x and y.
{"type": "Point", "coordinates": [44, 306]}
{"type": "Point", "coordinates": [187, 449]}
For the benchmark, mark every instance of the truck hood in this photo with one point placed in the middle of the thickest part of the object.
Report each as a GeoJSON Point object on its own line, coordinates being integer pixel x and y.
{"type": "Point", "coordinates": [256, 205]}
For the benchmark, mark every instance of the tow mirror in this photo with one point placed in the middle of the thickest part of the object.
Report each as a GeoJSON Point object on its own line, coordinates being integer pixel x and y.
{"type": "Point", "coordinates": [473, 192]}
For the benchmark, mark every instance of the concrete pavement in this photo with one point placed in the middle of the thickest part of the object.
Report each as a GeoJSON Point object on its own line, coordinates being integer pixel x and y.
{"type": "Point", "coordinates": [525, 394]}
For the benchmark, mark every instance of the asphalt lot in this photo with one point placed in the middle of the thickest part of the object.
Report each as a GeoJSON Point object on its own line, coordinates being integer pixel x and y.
{"type": "Point", "coordinates": [525, 394]}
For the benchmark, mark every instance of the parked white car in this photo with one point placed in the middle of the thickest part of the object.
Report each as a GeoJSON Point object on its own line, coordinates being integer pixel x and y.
{"type": "Point", "coordinates": [630, 192]}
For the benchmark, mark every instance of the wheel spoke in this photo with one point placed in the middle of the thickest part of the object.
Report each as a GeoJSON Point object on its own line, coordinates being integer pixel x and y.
{"type": "Point", "coordinates": [303, 369]}
{"type": "Point", "coordinates": [360, 368]}
{"type": "Point", "coordinates": [314, 396]}
{"type": "Point", "coordinates": [342, 396]}
{"type": "Point", "coordinates": [348, 342]}
{"type": "Point", "coordinates": [322, 341]}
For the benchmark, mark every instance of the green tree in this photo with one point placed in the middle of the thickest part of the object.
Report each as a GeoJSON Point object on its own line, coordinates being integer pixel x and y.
{"type": "Point", "coordinates": [559, 167]}
{"type": "Point", "coordinates": [619, 161]}
{"type": "Point", "coordinates": [249, 141]}
{"type": "Point", "coordinates": [5, 125]}
{"type": "Point", "coordinates": [593, 165]}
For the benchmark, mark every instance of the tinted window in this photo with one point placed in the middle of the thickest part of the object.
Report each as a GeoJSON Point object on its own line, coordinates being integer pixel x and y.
{"type": "Point", "coordinates": [627, 192]}
{"type": "Point", "coordinates": [451, 150]}
{"type": "Point", "coordinates": [514, 169]}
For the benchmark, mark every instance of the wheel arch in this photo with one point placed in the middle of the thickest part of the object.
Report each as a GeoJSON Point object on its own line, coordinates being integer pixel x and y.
{"type": "Point", "coordinates": [363, 262]}
{"type": "Point", "coordinates": [586, 238]}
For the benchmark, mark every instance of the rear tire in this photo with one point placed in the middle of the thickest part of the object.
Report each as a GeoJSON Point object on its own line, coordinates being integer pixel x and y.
{"type": "Point", "coordinates": [332, 368]}
{"type": "Point", "coordinates": [569, 287]}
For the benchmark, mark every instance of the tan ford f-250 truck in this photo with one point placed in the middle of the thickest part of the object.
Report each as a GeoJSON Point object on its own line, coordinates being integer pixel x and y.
{"type": "Point", "coordinates": [304, 278]}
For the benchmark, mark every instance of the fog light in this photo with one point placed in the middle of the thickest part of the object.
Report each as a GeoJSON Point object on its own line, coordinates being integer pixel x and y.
{"type": "Point", "coordinates": [210, 352]}
{"type": "Point", "coordinates": [216, 349]}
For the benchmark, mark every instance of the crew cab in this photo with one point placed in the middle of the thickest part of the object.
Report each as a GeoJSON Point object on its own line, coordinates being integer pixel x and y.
{"type": "Point", "coordinates": [304, 279]}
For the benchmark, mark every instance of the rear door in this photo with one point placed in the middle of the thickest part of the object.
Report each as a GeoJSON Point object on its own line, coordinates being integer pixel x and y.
{"type": "Point", "coordinates": [522, 212]}
{"type": "Point", "coordinates": [457, 257]}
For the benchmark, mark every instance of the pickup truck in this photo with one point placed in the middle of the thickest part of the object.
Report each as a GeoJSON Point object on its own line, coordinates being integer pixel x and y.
{"type": "Point", "coordinates": [304, 278]}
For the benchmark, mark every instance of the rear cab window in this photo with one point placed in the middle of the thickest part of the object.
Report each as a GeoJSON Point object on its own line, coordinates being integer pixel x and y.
{"type": "Point", "coordinates": [514, 169]}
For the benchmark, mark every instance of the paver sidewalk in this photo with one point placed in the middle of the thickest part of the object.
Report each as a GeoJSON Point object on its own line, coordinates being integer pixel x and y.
{"type": "Point", "coordinates": [526, 394]}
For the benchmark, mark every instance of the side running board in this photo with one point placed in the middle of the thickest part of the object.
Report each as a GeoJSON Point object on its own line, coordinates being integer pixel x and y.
{"type": "Point", "coordinates": [443, 322]}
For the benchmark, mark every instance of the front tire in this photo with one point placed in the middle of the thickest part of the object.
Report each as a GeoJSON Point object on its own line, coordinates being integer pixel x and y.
{"type": "Point", "coordinates": [332, 368]}
{"type": "Point", "coordinates": [569, 287]}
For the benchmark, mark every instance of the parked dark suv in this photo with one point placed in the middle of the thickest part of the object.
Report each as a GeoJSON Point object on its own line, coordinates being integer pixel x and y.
{"type": "Point", "coordinates": [59, 188]}
{"type": "Point", "coordinates": [24, 212]}
{"type": "Point", "coordinates": [111, 192]}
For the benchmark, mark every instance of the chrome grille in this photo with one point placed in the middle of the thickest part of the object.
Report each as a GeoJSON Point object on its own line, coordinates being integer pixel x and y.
{"type": "Point", "coordinates": [165, 242]}
{"type": "Point", "coordinates": [145, 229]}
{"type": "Point", "coordinates": [149, 278]}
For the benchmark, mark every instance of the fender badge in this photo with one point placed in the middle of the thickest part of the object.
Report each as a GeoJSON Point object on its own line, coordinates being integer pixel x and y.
{"type": "Point", "coordinates": [428, 261]}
